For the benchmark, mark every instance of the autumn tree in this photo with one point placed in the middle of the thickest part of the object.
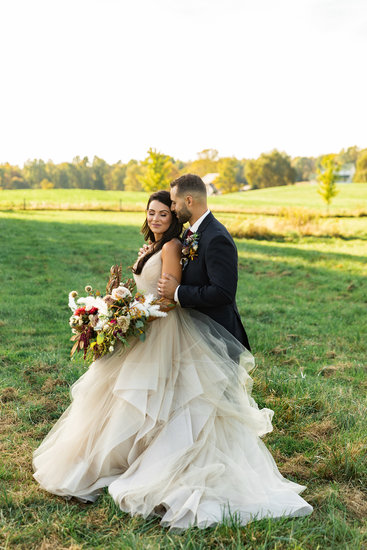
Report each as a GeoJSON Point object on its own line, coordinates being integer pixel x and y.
{"type": "Point", "coordinates": [326, 177]}
{"type": "Point", "coordinates": [133, 176]}
{"type": "Point", "coordinates": [349, 155]}
{"type": "Point", "coordinates": [114, 180]}
{"type": "Point", "coordinates": [46, 184]}
{"type": "Point", "coordinates": [227, 180]}
{"type": "Point", "coordinates": [11, 177]}
{"type": "Point", "coordinates": [158, 168]}
{"type": "Point", "coordinates": [270, 170]}
{"type": "Point", "coordinates": [206, 163]}
{"type": "Point", "coordinates": [34, 171]}
{"type": "Point", "coordinates": [360, 175]}
{"type": "Point", "coordinates": [304, 167]}
{"type": "Point", "coordinates": [99, 172]}
{"type": "Point", "coordinates": [82, 173]}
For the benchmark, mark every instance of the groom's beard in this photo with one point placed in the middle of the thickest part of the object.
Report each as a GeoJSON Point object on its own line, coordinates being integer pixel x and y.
{"type": "Point", "coordinates": [183, 215]}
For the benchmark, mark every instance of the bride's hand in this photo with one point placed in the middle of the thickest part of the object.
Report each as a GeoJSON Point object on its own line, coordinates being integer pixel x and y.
{"type": "Point", "coordinates": [143, 250]}
{"type": "Point", "coordinates": [165, 304]}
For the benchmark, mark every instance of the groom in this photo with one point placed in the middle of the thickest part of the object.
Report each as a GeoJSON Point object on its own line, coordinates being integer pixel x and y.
{"type": "Point", "coordinates": [209, 278]}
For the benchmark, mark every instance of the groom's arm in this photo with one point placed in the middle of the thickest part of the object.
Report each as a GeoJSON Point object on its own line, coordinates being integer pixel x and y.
{"type": "Point", "coordinates": [221, 267]}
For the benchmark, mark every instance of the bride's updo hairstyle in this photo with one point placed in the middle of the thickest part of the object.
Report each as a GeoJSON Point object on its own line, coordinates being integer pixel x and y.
{"type": "Point", "coordinates": [174, 230]}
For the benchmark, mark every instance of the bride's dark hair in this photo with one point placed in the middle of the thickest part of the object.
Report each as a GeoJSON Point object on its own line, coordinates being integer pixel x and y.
{"type": "Point", "coordinates": [174, 230]}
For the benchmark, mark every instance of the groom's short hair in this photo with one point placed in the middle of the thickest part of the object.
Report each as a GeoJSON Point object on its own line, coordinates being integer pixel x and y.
{"type": "Point", "coordinates": [189, 183]}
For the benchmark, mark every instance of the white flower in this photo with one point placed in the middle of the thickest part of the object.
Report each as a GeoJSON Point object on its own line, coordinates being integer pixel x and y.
{"type": "Point", "coordinates": [147, 308]}
{"type": "Point", "coordinates": [72, 303]}
{"type": "Point", "coordinates": [74, 331]}
{"type": "Point", "coordinates": [88, 288]}
{"type": "Point", "coordinates": [80, 321]}
{"type": "Point", "coordinates": [111, 348]}
{"type": "Point", "coordinates": [72, 321]}
{"type": "Point", "coordinates": [154, 311]}
{"type": "Point", "coordinates": [139, 306]}
{"type": "Point", "coordinates": [120, 293]}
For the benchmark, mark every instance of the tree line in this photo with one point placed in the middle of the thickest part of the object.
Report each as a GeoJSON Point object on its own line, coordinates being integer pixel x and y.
{"type": "Point", "coordinates": [157, 170]}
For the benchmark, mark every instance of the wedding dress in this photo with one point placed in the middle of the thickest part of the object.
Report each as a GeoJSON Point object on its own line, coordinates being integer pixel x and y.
{"type": "Point", "coordinates": [169, 425]}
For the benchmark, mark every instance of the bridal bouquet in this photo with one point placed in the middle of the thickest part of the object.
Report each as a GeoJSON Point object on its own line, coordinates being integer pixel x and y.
{"type": "Point", "coordinates": [98, 323]}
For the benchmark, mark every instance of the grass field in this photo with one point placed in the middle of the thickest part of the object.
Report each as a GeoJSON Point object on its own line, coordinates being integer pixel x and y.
{"type": "Point", "coordinates": [351, 200]}
{"type": "Point", "coordinates": [303, 302]}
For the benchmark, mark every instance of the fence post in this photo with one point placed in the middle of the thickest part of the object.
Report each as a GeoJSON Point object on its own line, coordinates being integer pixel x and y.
{"type": "Point", "coordinates": [120, 205]}
{"type": "Point", "coordinates": [24, 204]}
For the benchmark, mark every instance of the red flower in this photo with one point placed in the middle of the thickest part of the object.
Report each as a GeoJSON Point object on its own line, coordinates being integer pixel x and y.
{"type": "Point", "coordinates": [113, 322]}
{"type": "Point", "coordinates": [80, 311]}
{"type": "Point", "coordinates": [92, 311]}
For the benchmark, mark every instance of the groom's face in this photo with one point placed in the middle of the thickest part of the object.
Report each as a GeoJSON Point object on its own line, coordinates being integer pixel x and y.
{"type": "Point", "coordinates": [179, 205]}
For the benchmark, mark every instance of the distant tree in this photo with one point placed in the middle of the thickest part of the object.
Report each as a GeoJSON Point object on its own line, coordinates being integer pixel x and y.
{"type": "Point", "coordinates": [4, 176]}
{"type": "Point", "coordinates": [99, 172]}
{"type": "Point", "coordinates": [51, 171]}
{"type": "Point", "coordinates": [46, 184]}
{"type": "Point", "coordinates": [133, 176]}
{"type": "Point", "coordinates": [270, 170]}
{"type": "Point", "coordinates": [83, 175]}
{"type": "Point", "coordinates": [326, 176]}
{"type": "Point", "coordinates": [304, 167]}
{"type": "Point", "coordinates": [11, 177]}
{"type": "Point", "coordinates": [349, 155]}
{"type": "Point", "coordinates": [60, 176]}
{"type": "Point", "coordinates": [17, 182]}
{"type": "Point", "coordinates": [360, 175]}
{"type": "Point", "coordinates": [158, 168]}
{"type": "Point", "coordinates": [240, 172]}
{"type": "Point", "coordinates": [114, 181]}
{"type": "Point", "coordinates": [206, 163]}
{"type": "Point", "coordinates": [34, 171]}
{"type": "Point", "coordinates": [177, 169]}
{"type": "Point", "coordinates": [227, 180]}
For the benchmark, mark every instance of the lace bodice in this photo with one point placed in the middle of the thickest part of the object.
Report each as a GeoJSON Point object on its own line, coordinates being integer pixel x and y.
{"type": "Point", "coordinates": [147, 280]}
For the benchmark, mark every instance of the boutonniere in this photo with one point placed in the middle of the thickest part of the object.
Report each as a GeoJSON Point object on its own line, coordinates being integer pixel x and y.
{"type": "Point", "coordinates": [190, 248]}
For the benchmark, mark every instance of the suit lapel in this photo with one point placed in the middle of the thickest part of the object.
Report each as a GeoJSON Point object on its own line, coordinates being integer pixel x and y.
{"type": "Point", "coordinates": [201, 227]}
{"type": "Point", "coordinates": [206, 221]}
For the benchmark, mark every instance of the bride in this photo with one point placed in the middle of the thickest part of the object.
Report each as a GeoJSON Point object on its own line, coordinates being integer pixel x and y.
{"type": "Point", "coordinates": [169, 424]}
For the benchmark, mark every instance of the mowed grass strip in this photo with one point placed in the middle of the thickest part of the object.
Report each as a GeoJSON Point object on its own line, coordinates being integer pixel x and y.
{"type": "Point", "coordinates": [351, 200]}
{"type": "Point", "coordinates": [304, 306]}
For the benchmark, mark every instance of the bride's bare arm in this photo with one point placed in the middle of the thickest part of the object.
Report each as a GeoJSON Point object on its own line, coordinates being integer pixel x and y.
{"type": "Point", "coordinates": [171, 256]}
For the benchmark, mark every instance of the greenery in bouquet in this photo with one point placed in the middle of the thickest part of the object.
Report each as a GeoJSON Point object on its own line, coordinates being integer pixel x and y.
{"type": "Point", "coordinates": [99, 323]}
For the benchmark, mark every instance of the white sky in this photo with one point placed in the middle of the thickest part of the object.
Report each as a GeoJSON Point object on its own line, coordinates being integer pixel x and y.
{"type": "Point", "coordinates": [115, 77]}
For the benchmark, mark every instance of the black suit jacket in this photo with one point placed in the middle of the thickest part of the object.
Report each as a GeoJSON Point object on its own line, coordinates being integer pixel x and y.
{"type": "Point", "coordinates": [209, 281]}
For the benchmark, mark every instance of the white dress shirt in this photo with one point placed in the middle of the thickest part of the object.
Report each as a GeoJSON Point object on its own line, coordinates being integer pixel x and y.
{"type": "Point", "coordinates": [194, 227]}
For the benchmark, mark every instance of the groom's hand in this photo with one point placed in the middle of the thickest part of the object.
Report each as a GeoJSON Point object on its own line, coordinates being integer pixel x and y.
{"type": "Point", "coordinates": [167, 285]}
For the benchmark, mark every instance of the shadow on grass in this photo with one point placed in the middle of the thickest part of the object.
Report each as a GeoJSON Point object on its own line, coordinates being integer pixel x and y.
{"type": "Point", "coordinates": [301, 253]}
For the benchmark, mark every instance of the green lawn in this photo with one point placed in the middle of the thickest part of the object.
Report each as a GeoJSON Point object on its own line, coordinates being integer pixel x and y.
{"type": "Point", "coordinates": [303, 302]}
{"type": "Point", "coordinates": [351, 199]}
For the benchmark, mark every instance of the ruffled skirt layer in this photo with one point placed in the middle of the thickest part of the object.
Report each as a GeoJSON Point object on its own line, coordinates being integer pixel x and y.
{"type": "Point", "coordinates": [169, 425]}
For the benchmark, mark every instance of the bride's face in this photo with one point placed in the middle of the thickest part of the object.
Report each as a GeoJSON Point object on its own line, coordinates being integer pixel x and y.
{"type": "Point", "coordinates": [159, 218]}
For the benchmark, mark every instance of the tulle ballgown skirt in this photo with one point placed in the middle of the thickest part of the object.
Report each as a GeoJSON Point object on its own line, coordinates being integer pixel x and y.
{"type": "Point", "coordinates": [169, 425]}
